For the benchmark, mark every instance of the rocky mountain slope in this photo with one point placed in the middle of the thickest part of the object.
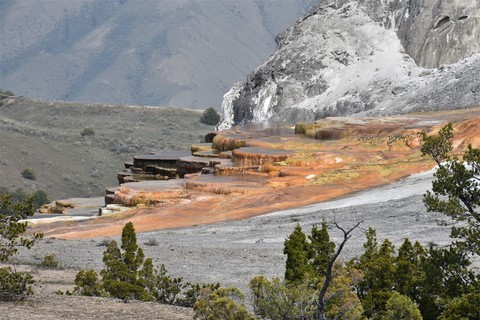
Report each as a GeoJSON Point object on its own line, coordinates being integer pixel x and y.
{"type": "Point", "coordinates": [365, 56]}
{"type": "Point", "coordinates": [179, 53]}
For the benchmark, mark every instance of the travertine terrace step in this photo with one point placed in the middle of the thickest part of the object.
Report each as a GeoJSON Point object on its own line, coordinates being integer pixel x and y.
{"type": "Point", "coordinates": [166, 159]}
{"type": "Point", "coordinates": [149, 192]}
{"type": "Point", "coordinates": [227, 185]}
{"type": "Point", "coordinates": [191, 164]}
{"type": "Point", "coordinates": [249, 156]}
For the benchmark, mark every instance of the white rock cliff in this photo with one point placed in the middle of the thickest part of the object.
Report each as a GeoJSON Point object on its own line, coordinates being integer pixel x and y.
{"type": "Point", "coordinates": [366, 57]}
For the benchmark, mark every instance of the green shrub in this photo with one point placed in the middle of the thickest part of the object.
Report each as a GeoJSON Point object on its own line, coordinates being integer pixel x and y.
{"type": "Point", "coordinates": [400, 307]}
{"type": "Point", "coordinates": [223, 303]}
{"type": "Point", "coordinates": [129, 275]}
{"type": "Point", "coordinates": [210, 117]}
{"type": "Point", "coordinates": [164, 288]}
{"type": "Point", "coordinates": [87, 132]}
{"type": "Point", "coordinates": [277, 299]}
{"type": "Point", "coordinates": [88, 284]}
{"type": "Point", "coordinates": [29, 174]}
{"type": "Point", "coordinates": [104, 243]}
{"type": "Point", "coordinates": [15, 285]}
{"type": "Point", "coordinates": [193, 294]}
{"type": "Point", "coordinates": [151, 242]}
{"type": "Point", "coordinates": [40, 198]}
{"type": "Point", "coordinates": [50, 261]}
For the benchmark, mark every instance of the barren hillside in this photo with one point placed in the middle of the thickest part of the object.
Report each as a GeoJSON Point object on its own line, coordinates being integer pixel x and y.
{"type": "Point", "coordinates": [46, 136]}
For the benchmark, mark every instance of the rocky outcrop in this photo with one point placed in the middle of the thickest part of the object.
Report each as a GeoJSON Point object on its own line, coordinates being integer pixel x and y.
{"type": "Point", "coordinates": [226, 185]}
{"type": "Point", "coordinates": [250, 156]}
{"type": "Point", "coordinates": [156, 166]}
{"type": "Point", "coordinates": [436, 32]}
{"type": "Point", "coordinates": [366, 57]}
{"type": "Point", "coordinates": [149, 193]}
{"type": "Point", "coordinates": [57, 206]}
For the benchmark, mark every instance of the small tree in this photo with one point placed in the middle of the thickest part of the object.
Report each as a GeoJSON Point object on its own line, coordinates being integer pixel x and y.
{"type": "Point", "coordinates": [320, 267]}
{"type": "Point", "coordinates": [322, 301]}
{"type": "Point", "coordinates": [408, 274]}
{"type": "Point", "coordinates": [122, 269]}
{"type": "Point", "coordinates": [455, 193]}
{"type": "Point", "coordinates": [456, 188]}
{"type": "Point", "coordinates": [210, 117]}
{"type": "Point", "coordinates": [446, 275]}
{"type": "Point", "coordinates": [11, 229]}
{"type": "Point", "coordinates": [377, 264]}
{"type": "Point", "coordinates": [296, 248]}
{"type": "Point", "coordinates": [321, 250]}
{"type": "Point", "coordinates": [14, 285]}
{"type": "Point", "coordinates": [129, 275]}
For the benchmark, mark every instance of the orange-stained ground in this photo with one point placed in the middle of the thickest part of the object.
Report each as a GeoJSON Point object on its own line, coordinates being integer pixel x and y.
{"type": "Point", "coordinates": [360, 153]}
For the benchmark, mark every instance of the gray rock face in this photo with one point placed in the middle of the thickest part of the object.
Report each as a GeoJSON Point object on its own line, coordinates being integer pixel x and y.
{"type": "Point", "coordinates": [436, 32]}
{"type": "Point", "coordinates": [365, 57]}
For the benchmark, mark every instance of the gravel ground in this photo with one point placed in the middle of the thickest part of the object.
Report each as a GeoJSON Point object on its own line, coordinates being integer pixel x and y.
{"type": "Point", "coordinates": [55, 307]}
{"type": "Point", "coordinates": [230, 252]}
{"type": "Point", "coordinates": [45, 304]}
{"type": "Point", "coordinates": [233, 252]}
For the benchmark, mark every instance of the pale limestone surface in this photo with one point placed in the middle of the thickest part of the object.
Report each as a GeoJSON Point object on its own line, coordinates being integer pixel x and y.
{"type": "Point", "coordinates": [233, 252]}
{"type": "Point", "coordinates": [365, 57]}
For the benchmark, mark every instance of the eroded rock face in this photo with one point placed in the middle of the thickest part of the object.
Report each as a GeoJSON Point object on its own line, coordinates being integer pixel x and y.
{"type": "Point", "coordinates": [436, 32]}
{"type": "Point", "coordinates": [433, 32]}
{"type": "Point", "coordinates": [251, 156]}
{"type": "Point", "coordinates": [365, 56]}
{"type": "Point", "coordinates": [149, 192]}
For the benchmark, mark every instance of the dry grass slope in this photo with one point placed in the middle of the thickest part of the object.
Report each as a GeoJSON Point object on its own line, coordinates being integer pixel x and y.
{"type": "Point", "coordinates": [46, 136]}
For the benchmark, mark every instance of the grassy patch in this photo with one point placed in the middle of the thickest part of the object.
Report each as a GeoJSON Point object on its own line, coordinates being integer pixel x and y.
{"type": "Point", "coordinates": [335, 176]}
